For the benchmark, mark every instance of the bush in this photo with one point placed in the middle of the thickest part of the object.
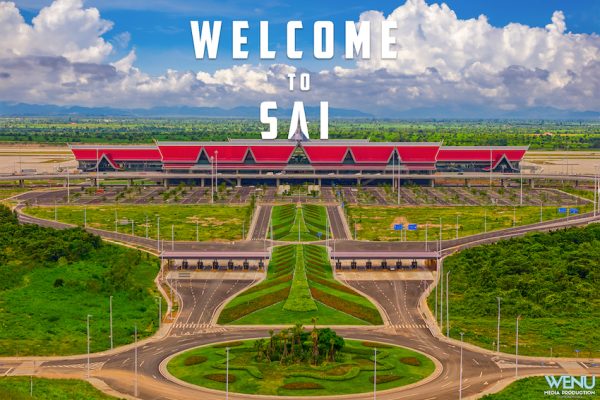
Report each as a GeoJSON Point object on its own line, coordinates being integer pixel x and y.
{"type": "Point", "coordinates": [237, 312]}
{"type": "Point", "coordinates": [414, 361]}
{"type": "Point", "coordinates": [228, 344]}
{"type": "Point", "coordinates": [193, 360]}
{"type": "Point", "coordinates": [385, 378]}
{"type": "Point", "coordinates": [221, 377]}
{"type": "Point", "coordinates": [59, 282]}
{"type": "Point", "coordinates": [378, 345]}
{"type": "Point", "coordinates": [356, 310]}
{"type": "Point", "coordinates": [301, 386]}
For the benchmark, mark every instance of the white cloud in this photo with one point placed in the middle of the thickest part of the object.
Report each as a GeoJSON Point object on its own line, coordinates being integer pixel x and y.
{"type": "Point", "coordinates": [443, 61]}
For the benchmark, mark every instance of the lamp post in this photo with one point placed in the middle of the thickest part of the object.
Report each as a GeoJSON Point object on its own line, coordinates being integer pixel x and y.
{"type": "Point", "coordinates": [521, 179]}
{"type": "Point", "coordinates": [374, 373]}
{"type": "Point", "coordinates": [172, 237]}
{"type": "Point", "coordinates": [135, 361]}
{"type": "Point", "coordinates": [110, 320]}
{"type": "Point", "coordinates": [212, 180]}
{"type": "Point", "coordinates": [158, 232]}
{"type": "Point", "coordinates": [447, 307]}
{"type": "Point", "coordinates": [88, 345]}
{"type": "Point", "coordinates": [227, 375]}
{"type": "Point", "coordinates": [461, 367]}
{"type": "Point", "coordinates": [498, 331]}
{"type": "Point", "coordinates": [517, 349]}
{"type": "Point", "coordinates": [159, 299]}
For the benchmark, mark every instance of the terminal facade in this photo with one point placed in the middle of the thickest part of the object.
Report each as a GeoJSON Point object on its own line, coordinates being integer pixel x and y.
{"type": "Point", "coordinates": [321, 158]}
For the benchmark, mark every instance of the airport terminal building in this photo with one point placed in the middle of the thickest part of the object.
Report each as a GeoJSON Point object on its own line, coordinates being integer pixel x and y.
{"type": "Point", "coordinates": [320, 158]}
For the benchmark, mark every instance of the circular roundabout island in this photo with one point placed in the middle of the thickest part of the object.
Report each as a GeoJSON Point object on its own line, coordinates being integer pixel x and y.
{"type": "Point", "coordinates": [295, 362]}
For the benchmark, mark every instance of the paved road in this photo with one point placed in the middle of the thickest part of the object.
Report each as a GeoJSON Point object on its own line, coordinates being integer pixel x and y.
{"type": "Point", "coordinates": [337, 223]}
{"type": "Point", "coordinates": [399, 299]}
{"type": "Point", "coordinates": [262, 222]}
{"type": "Point", "coordinates": [200, 298]}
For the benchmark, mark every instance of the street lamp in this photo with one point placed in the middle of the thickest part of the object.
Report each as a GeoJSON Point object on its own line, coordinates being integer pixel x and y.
{"type": "Point", "coordinates": [447, 307]}
{"type": "Point", "coordinates": [88, 345]}
{"type": "Point", "coordinates": [110, 318]}
{"type": "Point", "coordinates": [227, 375]}
{"type": "Point", "coordinates": [172, 237]}
{"type": "Point", "coordinates": [135, 361]}
{"type": "Point", "coordinates": [461, 367]}
{"type": "Point", "coordinates": [498, 332]}
{"type": "Point", "coordinates": [159, 311]}
{"type": "Point", "coordinates": [517, 349]}
{"type": "Point", "coordinates": [374, 373]}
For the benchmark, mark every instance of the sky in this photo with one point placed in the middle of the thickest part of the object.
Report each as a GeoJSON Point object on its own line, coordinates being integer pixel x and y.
{"type": "Point", "coordinates": [132, 53]}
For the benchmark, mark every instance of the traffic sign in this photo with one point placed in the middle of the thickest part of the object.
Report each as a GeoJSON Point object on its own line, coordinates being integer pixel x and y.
{"type": "Point", "coordinates": [412, 227]}
{"type": "Point", "coordinates": [398, 227]}
{"type": "Point", "coordinates": [574, 210]}
{"type": "Point", "coordinates": [319, 234]}
{"type": "Point", "coordinates": [562, 210]}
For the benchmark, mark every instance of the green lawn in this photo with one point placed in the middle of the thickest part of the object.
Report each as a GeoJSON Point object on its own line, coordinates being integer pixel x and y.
{"type": "Point", "coordinates": [551, 279]}
{"type": "Point", "coordinates": [377, 223]}
{"type": "Point", "coordinates": [532, 389]}
{"type": "Point", "coordinates": [5, 193]}
{"type": "Point", "coordinates": [291, 222]}
{"type": "Point", "coordinates": [18, 388]}
{"type": "Point", "coordinates": [215, 222]}
{"type": "Point", "coordinates": [336, 304]}
{"type": "Point", "coordinates": [352, 372]}
{"type": "Point", "coordinates": [51, 280]}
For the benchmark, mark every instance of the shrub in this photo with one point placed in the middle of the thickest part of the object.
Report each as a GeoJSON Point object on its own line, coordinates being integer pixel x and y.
{"type": "Point", "coordinates": [59, 282]}
{"type": "Point", "coordinates": [385, 378]}
{"type": "Point", "coordinates": [301, 386]}
{"type": "Point", "coordinates": [237, 312]}
{"type": "Point", "coordinates": [410, 361]}
{"type": "Point", "coordinates": [378, 345]}
{"type": "Point", "coordinates": [220, 377]}
{"type": "Point", "coordinates": [193, 360]}
{"type": "Point", "coordinates": [228, 344]}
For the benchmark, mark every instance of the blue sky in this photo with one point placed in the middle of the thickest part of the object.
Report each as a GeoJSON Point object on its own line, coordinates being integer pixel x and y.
{"type": "Point", "coordinates": [160, 31]}
{"type": "Point", "coordinates": [487, 57]}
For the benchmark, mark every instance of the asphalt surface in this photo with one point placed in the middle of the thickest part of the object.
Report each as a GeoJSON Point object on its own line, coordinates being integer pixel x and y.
{"type": "Point", "coordinates": [337, 223]}
{"type": "Point", "coordinates": [262, 222]}
{"type": "Point", "coordinates": [200, 299]}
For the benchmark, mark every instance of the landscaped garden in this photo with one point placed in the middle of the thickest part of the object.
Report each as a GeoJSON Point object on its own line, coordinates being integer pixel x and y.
{"type": "Point", "coordinates": [298, 288]}
{"type": "Point", "coordinates": [50, 280]}
{"type": "Point", "coordinates": [377, 223]}
{"type": "Point", "coordinates": [552, 280]}
{"type": "Point", "coordinates": [18, 388]}
{"type": "Point", "coordinates": [214, 222]}
{"type": "Point", "coordinates": [293, 223]}
{"type": "Point", "coordinates": [299, 362]}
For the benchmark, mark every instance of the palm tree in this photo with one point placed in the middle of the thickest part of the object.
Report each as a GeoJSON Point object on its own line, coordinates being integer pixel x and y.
{"type": "Point", "coordinates": [332, 350]}
{"type": "Point", "coordinates": [315, 339]}
{"type": "Point", "coordinates": [284, 337]}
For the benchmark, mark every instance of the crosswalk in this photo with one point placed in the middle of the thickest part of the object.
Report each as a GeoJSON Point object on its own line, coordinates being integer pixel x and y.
{"type": "Point", "coordinates": [195, 328]}
{"type": "Point", "coordinates": [410, 326]}
{"type": "Point", "coordinates": [94, 365]}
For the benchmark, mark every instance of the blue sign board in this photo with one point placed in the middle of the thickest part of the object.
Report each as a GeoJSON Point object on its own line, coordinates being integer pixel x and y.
{"type": "Point", "coordinates": [412, 227]}
{"type": "Point", "coordinates": [574, 210]}
{"type": "Point", "coordinates": [319, 234]}
{"type": "Point", "coordinates": [562, 210]}
{"type": "Point", "coordinates": [398, 227]}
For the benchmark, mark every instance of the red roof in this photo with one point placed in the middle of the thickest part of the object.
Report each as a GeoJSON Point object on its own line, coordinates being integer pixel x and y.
{"type": "Point", "coordinates": [325, 154]}
{"type": "Point", "coordinates": [227, 154]}
{"type": "Point", "coordinates": [272, 153]}
{"type": "Point", "coordinates": [117, 154]}
{"type": "Point", "coordinates": [179, 153]}
{"type": "Point", "coordinates": [426, 154]}
{"type": "Point", "coordinates": [479, 154]}
{"type": "Point", "coordinates": [377, 154]}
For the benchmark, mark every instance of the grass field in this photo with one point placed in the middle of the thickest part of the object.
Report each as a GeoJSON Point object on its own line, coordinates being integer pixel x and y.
{"type": "Point", "coordinates": [549, 279]}
{"type": "Point", "coordinates": [291, 222]}
{"type": "Point", "coordinates": [531, 389]}
{"type": "Point", "coordinates": [351, 373]}
{"type": "Point", "coordinates": [214, 222]}
{"type": "Point", "coordinates": [377, 223]}
{"type": "Point", "coordinates": [50, 280]}
{"type": "Point", "coordinates": [264, 303]}
{"type": "Point", "coordinates": [18, 388]}
{"type": "Point", "coordinates": [5, 193]}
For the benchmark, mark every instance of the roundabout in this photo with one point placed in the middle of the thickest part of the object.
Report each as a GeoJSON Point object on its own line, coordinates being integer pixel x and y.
{"type": "Point", "coordinates": [259, 367]}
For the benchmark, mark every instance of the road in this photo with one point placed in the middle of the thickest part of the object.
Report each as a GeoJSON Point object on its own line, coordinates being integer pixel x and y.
{"type": "Point", "coordinates": [262, 222]}
{"type": "Point", "coordinates": [337, 223]}
{"type": "Point", "coordinates": [201, 298]}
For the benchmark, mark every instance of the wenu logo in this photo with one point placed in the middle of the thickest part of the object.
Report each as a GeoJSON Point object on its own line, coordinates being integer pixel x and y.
{"type": "Point", "coordinates": [569, 382]}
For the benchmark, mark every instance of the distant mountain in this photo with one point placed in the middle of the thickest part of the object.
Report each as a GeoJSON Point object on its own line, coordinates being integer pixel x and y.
{"type": "Point", "coordinates": [456, 111]}
{"type": "Point", "coordinates": [38, 110]}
